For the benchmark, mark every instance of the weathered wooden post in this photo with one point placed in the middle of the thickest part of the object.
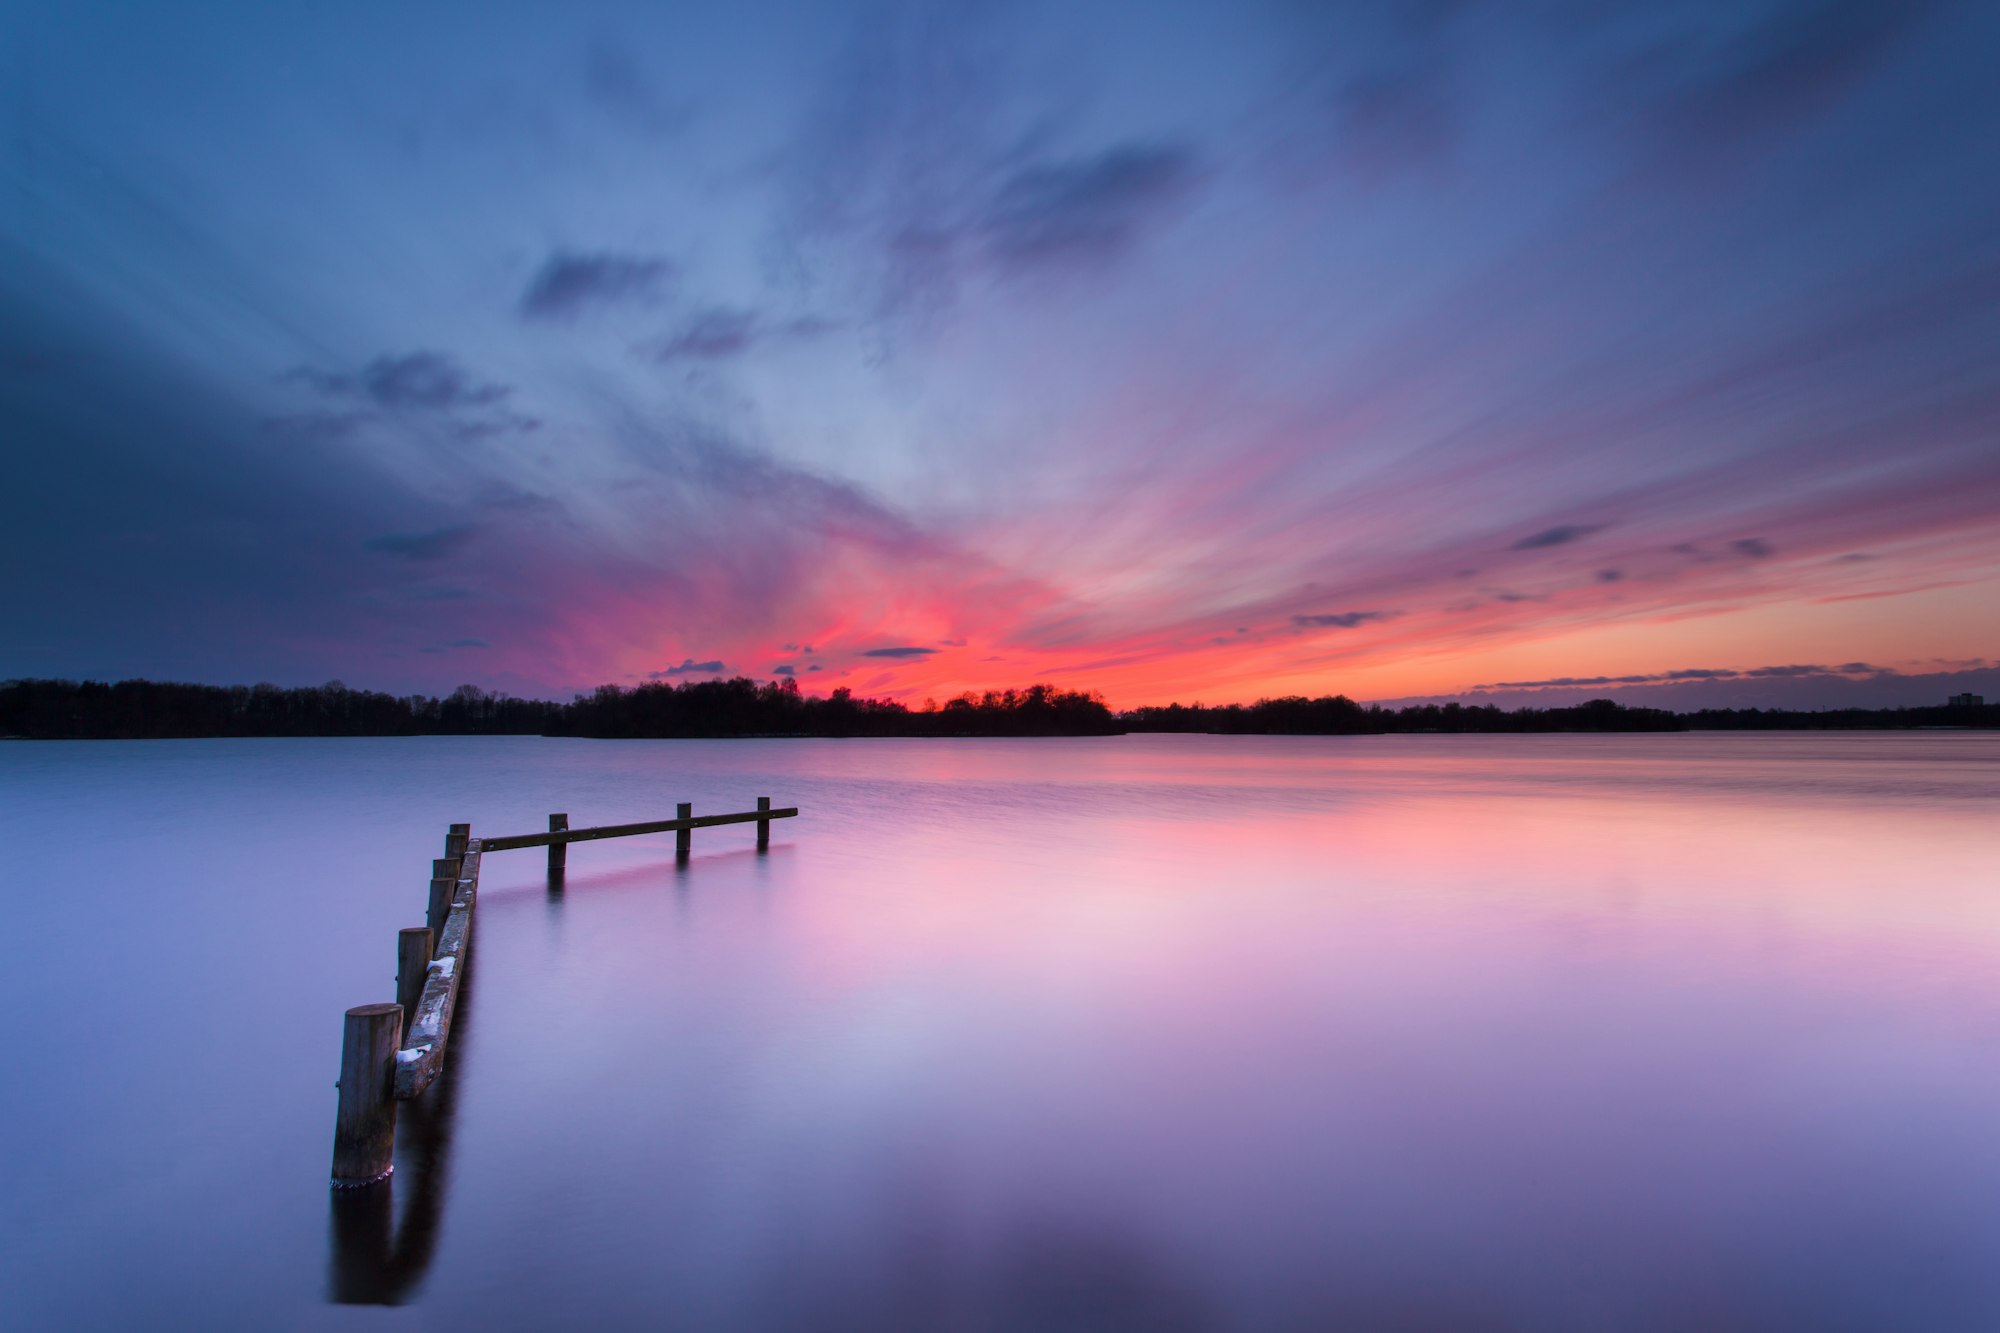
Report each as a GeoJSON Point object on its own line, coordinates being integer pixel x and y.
{"type": "Point", "coordinates": [764, 824]}
{"type": "Point", "coordinates": [558, 851]}
{"type": "Point", "coordinates": [444, 879]}
{"type": "Point", "coordinates": [364, 1126]}
{"type": "Point", "coordinates": [413, 961]}
{"type": "Point", "coordinates": [455, 840]}
{"type": "Point", "coordinates": [683, 838]}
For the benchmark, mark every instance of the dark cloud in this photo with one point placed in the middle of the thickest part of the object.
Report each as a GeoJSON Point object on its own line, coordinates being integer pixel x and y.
{"type": "Point", "coordinates": [1610, 575]}
{"type": "Point", "coordinates": [815, 667]}
{"type": "Point", "coordinates": [784, 669]}
{"type": "Point", "coordinates": [413, 386]}
{"type": "Point", "coordinates": [1789, 672]}
{"type": "Point", "coordinates": [414, 381]}
{"type": "Point", "coordinates": [721, 332]}
{"type": "Point", "coordinates": [899, 652]}
{"type": "Point", "coordinates": [1557, 536]}
{"type": "Point", "coordinates": [930, 153]}
{"type": "Point", "coordinates": [1343, 619]}
{"type": "Point", "coordinates": [422, 546]}
{"type": "Point", "coordinates": [689, 667]}
{"type": "Point", "coordinates": [1742, 548]}
{"type": "Point", "coordinates": [710, 335]}
{"type": "Point", "coordinates": [620, 87]}
{"type": "Point", "coordinates": [568, 284]}
{"type": "Point", "coordinates": [1087, 209]}
{"type": "Point", "coordinates": [1514, 597]}
{"type": "Point", "coordinates": [1781, 68]}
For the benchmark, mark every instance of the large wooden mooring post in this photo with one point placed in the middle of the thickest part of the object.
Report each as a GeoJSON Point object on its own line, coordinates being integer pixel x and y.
{"type": "Point", "coordinates": [764, 824]}
{"type": "Point", "coordinates": [364, 1125]}
{"type": "Point", "coordinates": [455, 839]}
{"type": "Point", "coordinates": [683, 838]}
{"type": "Point", "coordinates": [558, 851]}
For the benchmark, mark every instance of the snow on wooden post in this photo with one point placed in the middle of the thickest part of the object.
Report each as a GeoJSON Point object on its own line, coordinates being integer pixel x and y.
{"type": "Point", "coordinates": [364, 1125]}
{"type": "Point", "coordinates": [558, 851]}
{"type": "Point", "coordinates": [764, 824]}
{"type": "Point", "coordinates": [430, 1026]}
{"type": "Point", "coordinates": [683, 837]}
{"type": "Point", "coordinates": [413, 960]}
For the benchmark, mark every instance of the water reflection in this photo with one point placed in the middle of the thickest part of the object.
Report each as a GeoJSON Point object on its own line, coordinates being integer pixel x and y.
{"type": "Point", "coordinates": [1047, 1274]}
{"type": "Point", "coordinates": [372, 1260]}
{"type": "Point", "coordinates": [1209, 1033]}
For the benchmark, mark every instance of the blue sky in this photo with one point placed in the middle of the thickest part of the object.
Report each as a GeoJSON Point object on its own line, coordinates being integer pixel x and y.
{"type": "Point", "coordinates": [1175, 350]}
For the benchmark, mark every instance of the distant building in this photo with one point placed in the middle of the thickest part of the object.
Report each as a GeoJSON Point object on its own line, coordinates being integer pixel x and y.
{"type": "Point", "coordinates": [1966, 700]}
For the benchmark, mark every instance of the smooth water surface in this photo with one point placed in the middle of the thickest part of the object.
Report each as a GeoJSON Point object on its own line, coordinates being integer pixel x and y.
{"type": "Point", "coordinates": [1539, 1033]}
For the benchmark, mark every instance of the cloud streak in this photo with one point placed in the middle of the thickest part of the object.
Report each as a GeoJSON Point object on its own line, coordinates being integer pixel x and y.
{"type": "Point", "coordinates": [569, 284]}
{"type": "Point", "coordinates": [1383, 351]}
{"type": "Point", "coordinates": [435, 544]}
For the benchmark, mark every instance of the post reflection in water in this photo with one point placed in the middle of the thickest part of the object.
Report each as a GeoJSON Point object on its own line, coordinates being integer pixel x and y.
{"type": "Point", "coordinates": [370, 1259]}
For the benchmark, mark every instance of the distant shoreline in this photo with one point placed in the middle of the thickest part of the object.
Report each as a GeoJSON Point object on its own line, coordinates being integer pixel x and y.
{"type": "Point", "coordinates": [743, 709]}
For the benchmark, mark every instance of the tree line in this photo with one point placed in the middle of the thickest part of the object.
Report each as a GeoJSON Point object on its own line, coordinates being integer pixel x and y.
{"type": "Point", "coordinates": [141, 709]}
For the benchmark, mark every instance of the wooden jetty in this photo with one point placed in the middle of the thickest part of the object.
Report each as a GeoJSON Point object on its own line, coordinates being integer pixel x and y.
{"type": "Point", "coordinates": [392, 1052]}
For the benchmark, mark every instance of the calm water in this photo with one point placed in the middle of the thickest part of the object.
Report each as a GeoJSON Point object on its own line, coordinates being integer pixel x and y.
{"type": "Point", "coordinates": [1535, 1033]}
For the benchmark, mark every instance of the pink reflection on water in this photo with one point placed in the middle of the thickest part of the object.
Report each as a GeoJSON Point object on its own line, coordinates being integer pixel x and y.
{"type": "Point", "coordinates": [1297, 1028]}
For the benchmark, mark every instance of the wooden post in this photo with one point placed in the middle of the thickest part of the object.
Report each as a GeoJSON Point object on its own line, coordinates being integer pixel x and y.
{"type": "Point", "coordinates": [454, 841]}
{"type": "Point", "coordinates": [683, 838]}
{"type": "Point", "coordinates": [763, 825]}
{"type": "Point", "coordinates": [413, 961]}
{"type": "Point", "coordinates": [364, 1126]}
{"type": "Point", "coordinates": [444, 878]}
{"type": "Point", "coordinates": [558, 851]}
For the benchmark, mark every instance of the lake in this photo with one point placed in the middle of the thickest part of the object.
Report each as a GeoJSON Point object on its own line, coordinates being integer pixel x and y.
{"type": "Point", "coordinates": [1684, 1031]}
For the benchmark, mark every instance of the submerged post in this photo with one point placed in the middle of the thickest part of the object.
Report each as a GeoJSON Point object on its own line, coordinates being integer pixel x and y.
{"type": "Point", "coordinates": [558, 851]}
{"type": "Point", "coordinates": [413, 961]}
{"type": "Point", "coordinates": [764, 824]}
{"type": "Point", "coordinates": [683, 838]}
{"type": "Point", "coordinates": [455, 840]}
{"type": "Point", "coordinates": [444, 878]}
{"type": "Point", "coordinates": [364, 1126]}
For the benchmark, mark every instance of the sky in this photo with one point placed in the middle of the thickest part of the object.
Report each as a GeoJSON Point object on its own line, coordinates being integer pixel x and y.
{"type": "Point", "coordinates": [1522, 351]}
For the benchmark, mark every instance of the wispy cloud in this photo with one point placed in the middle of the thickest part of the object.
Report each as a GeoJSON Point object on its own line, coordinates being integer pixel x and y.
{"type": "Point", "coordinates": [690, 667]}
{"type": "Point", "coordinates": [435, 544]}
{"type": "Point", "coordinates": [1084, 210]}
{"type": "Point", "coordinates": [1557, 536]}
{"type": "Point", "coordinates": [1342, 619]}
{"type": "Point", "coordinates": [412, 381]}
{"type": "Point", "coordinates": [569, 284]}
{"type": "Point", "coordinates": [720, 333]}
